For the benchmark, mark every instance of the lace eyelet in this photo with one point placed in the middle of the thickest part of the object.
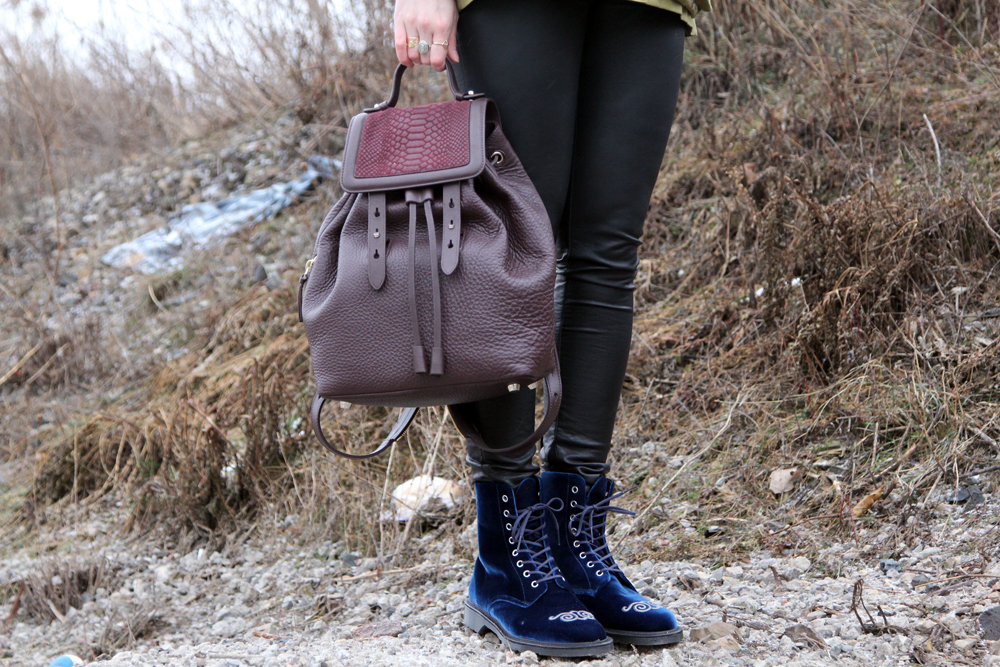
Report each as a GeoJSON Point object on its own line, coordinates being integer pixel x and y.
{"type": "Point", "coordinates": [534, 584]}
{"type": "Point", "coordinates": [600, 572]}
{"type": "Point", "coordinates": [590, 564]}
{"type": "Point", "coordinates": [506, 513]}
{"type": "Point", "coordinates": [574, 489]}
{"type": "Point", "coordinates": [504, 498]}
{"type": "Point", "coordinates": [514, 553]}
{"type": "Point", "coordinates": [520, 563]}
{"type": "Point", "coordinates": [572, 503]}
{"type": "Point", "coordinates": [583, 555]}
{"type": "Point", "coordinates": [527, 574]}
{"type": "Point", "coordinates": [576, 544]}
{"type": "Point", "coordinates": [507, 526]}
{"type": "Point", "coordinates": [511, 540]}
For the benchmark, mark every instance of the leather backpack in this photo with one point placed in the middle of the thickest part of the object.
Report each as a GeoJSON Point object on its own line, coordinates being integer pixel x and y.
{"type": "Point", "coordinates": [452, 308]}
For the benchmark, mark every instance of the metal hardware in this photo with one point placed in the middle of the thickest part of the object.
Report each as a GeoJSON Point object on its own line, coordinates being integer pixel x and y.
{"type": "Point", "coordinates": [376, 234]}
{"type": "Point", "coordinates": [309, 265]}
{"type": "Point", "coordinates": [513, 387]}
{"type": "Point", "coordinates": [496, 157]}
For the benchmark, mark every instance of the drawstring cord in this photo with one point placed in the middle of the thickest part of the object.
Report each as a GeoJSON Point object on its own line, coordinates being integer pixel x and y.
{"type": "Point", "coordinates": [419, 355]}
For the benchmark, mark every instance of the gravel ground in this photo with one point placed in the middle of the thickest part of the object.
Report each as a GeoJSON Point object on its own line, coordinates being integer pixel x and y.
{"type": "Point", "coordinates": [283, 602]}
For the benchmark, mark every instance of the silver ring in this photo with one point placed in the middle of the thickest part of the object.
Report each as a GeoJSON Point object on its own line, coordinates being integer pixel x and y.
{"type": "Point", "coordinates": [423, 48]}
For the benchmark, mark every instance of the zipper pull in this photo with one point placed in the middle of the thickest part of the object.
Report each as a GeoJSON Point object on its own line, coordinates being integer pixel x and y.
{"type": "Point", "coordinates": [302, 283]}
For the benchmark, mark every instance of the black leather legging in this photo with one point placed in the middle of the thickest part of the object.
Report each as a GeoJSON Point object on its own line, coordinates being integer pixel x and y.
{"type": "Point", "coordinates": [586, 91]}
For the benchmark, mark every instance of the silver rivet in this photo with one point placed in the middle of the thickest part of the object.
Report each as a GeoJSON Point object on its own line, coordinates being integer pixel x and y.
{"type": "Point", "coordinates": [376, 235]}
{"type": "Point", "coordinates": [451, 225]}
{"type": "Point", "coordinates": [513, 387]}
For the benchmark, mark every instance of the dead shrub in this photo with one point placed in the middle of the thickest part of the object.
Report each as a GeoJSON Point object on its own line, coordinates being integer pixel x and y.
{"type": "Point", "coordinates": [57, 584]}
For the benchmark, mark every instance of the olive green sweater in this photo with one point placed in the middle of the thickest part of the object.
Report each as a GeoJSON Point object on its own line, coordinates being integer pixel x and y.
{"type": "Point", "coordinates": [688, 9]}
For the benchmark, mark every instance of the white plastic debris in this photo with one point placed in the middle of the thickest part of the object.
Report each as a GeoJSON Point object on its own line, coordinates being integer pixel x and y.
{"type": "Point", "coordinates": [200, 225]}
{"type": "Point", "coordinates": [424, 493]}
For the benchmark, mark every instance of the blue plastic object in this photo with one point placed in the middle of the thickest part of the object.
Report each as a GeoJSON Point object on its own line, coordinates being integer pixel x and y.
{"type": "Point", "coordinates": [67, 660]}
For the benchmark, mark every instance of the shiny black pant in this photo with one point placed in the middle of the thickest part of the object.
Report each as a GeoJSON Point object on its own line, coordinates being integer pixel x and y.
{"type": "Point", "coordinates": [586, 91]}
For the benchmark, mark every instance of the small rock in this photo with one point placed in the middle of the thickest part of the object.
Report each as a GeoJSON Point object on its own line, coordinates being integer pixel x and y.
{"type": "Point", "coordinates": [380, 629]}
{"type": "Point", "coordinates": [801, 563]}
{"type": "Point", "coordinates": [959, 495]}
{"type": "Point", "coordinates": [954, 625]}
{"type": "Point", "coordinates": [989, 624]}
{"type": "Point", "coordinates": [529, 656]}
{"type": "Point", "coordinates": [804, 634]}
{"type": "Point", "coordinates": [919, 580]}
{"type": "Point", "coordinates": [888, 564]}
{"type": "Point", "coordinates": [715, 630]}
{"type": "Point", "coordinates": [650, 593]}
{"type": "Point", "coordinates": [229, 627]}
{"type": "Point", "coordinates": [976, 497]}
{"type": "Point", "coordinates": [349, 558]}
{"type": "Point", "coordinates": [667, 660]}
{"type": "Point", "coordinates": [965, 644]}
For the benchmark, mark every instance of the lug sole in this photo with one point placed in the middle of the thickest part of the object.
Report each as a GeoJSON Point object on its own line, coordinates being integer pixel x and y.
{"type": "Point", "coordinates": [663, 638]}
{"type": "Point", "coordinates": [479, 621]}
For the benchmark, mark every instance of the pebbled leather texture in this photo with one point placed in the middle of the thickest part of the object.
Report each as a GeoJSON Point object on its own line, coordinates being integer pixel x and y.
{"type": "Point", "coordinates": [497, 307]}
{"type": "Point", "coordinates": [414, 140]}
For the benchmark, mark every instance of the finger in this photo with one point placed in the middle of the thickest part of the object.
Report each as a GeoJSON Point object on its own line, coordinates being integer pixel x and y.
{"type": "Point", "coordinates": [453, 42]}
{"type": "Point", "coordinates": [425, 28]}
{"type": "Point", "coordinates": [402, 51]}
{"type": "Point", "coordinates": [437, 54]}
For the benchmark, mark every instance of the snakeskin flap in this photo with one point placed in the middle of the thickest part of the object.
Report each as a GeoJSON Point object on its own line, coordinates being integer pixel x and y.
{"type": "Point", "coordinates": [412, 147]}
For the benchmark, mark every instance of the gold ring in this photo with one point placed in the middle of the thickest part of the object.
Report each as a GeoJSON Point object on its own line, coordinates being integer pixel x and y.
{"type": "Point", "coordinates": [411, 42]}
{"type": "Point", "coordinates": [444, 43]}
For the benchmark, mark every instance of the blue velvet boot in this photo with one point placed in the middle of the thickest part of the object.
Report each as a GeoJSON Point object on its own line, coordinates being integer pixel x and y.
{"type": "Point", "coordinates": [516, 590]}
{"type": "Point", "coordinates": [585, 560]}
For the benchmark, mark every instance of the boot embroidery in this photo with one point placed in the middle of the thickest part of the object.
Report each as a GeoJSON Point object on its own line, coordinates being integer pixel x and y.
{"type": "Point", "coordinates": [569, 616]}
{"type": "Point", "coordinates": [640, 606]}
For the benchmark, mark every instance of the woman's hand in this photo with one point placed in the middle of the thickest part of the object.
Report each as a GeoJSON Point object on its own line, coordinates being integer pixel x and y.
{"type": "Point", "coordinates": [431, 21]}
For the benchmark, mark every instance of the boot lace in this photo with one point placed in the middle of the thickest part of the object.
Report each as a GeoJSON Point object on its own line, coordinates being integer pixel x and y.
{"type": "Point", "coordinates": [528, 537]}
{"type": "Point", "coordinates": [590, 522]}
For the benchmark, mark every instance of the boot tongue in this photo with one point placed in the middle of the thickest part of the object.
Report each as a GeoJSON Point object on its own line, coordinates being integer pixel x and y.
{"type": "Point", "coordinates": [526, 493]}
{"type": "Point", "coordinates": [602, 488]}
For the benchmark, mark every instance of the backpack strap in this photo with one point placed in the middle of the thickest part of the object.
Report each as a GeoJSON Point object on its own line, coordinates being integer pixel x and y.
{"type": "Point", "coordinates": [403, 423]}
{"type": "Point", "coordinates": [552, 391]}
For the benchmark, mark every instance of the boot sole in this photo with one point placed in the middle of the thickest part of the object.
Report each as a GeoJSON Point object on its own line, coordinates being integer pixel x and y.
{"type": "Point", "coordinates": [479, 621]}
{"type": "Point", "coordinates": [647, 638]}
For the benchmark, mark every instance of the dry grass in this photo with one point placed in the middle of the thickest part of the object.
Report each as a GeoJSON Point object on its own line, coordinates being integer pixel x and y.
{"type": "Point", "coordinates": [817, 289]}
